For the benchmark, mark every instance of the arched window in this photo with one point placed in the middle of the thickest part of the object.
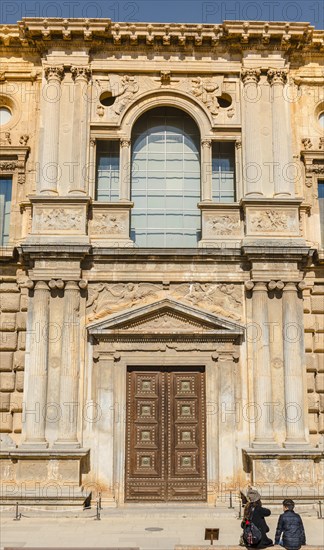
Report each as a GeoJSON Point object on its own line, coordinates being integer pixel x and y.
{"type": "Point", "coordinates": [165, 185]}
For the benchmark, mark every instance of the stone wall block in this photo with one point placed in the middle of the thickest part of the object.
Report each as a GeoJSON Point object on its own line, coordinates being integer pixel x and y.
{"type": "Point", "coordinates": [8, 341]}
{"type": "Point", "coordinates": [19, 360]}
{"type": "Point", "coordinates": [319, 382]}
{"type": "Point", "coordinates": [4, 402]}
{"type": "Point", "coordinates": [318, 343]}
{"type": "Point", "coordinates": [311, 362]}
{"type": "Point", "coordinates": [22, 340]}
{"type": "Point", "coordinates": [24, 302]}
{"type": "Point", "coordinates": [16, 401]}
{"type": "Point", "coordinates": [321, 402]}
{"type": "Point", "coordinates": [309, 323]}
{"type": "Point", "coordinates": [310, 382]}
{"type": "Point", "coordinates": [313, 402]}
{"type": "Point", "coordinates": [17, 423]}
{"type": "Point", "coordinates": [321, 423]}
{"type": "Point", "coordinates": [308, 341]}
{"type": "Point", "coordinates": [6, 360]}
{"type": "Point", "coordinates": [9, 288]}
{"type": "Point", "coordinates": [313, 423]}
{"type": "Point", "coordinates": [318, 290]}
{"type": "Point", "coordinates": [320, 362]}
{"type": "Point", "coordinates": [20, 381]}
{"type": "Point", "coordinates": [317, 303]}
{"type": "Point", "coordinates": [7, 322]}
{"type": "Point", "coordinates": [307, 304]}
{"type": "Point", "coordinates": [6, 422]}
{"type": "Point", "coordinates": [7, 381]}
{"type": "Point", "coordinates": [21, 321]}
{"type": "Point", "coordinates": [10, 302]}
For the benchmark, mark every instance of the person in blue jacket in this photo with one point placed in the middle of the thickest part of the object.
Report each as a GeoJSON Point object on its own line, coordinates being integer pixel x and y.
{"type": "Point", "coordinates": [290, 526]}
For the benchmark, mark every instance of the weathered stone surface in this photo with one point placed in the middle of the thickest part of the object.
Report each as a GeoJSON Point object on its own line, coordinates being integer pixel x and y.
{"type": "Point", "coordinates": [7, 322]}
{"type": "Point", "coordinates": [319, 382]}
{"type": "Point", "coordinates": [7, 381]}
{"type": "Point", "coordinates": [9, 302]}
{"type": "Point", "coordinates": [24, 302]}
{"type": "Point", "coordinates": [19, 360]}
{"type": "Point", "coordinates": [22, 340]}
{"type": "Point", "coordinates": [17, 422]}
{"type": "Point", "coordinates": [308, 341]}
{"type": "Point", "coordinates": [21, 321]}
{"type": "Point", "coordinates": [6, 422]}
{"type": "Point", "coordinates": [16, 400]}
{"type": "Point", "coordinates": [310, 382]}
{"type": "Point", "coordinates": [8, 341]}
{"type": "Point", "coordinates": [317, 304]}
{"type": "Point", "coordinates": [20, 381]}
{"type": "Point", "coordinates": [6, 360]}
{"type": "Point", "coordinates": [313, 402]}
{"type": "Point", "coordinates": [9, 287]}
{"type": "Point", "coordinates": [4, 401]}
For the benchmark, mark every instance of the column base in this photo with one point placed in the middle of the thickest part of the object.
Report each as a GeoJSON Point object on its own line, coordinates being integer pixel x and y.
{"type": "Point", "coordinates": [267, 444]}
{"type": "Point", "coordinates": [34, 445]}
{"type": "Point", "coordinates": [66, 445]}
{"type": "Point", "coordinates": [296, 445]}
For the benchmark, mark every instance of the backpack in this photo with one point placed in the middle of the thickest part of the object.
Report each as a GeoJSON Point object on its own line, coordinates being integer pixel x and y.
{"type": "Point", "coordinates": [251, 533]}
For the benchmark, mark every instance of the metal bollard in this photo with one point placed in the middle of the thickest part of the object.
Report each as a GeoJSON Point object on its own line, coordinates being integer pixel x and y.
{"type": "Point", "coordinates": [99, 500]}
{"type": "Point", "coordinates": [98, 512]}
{"type": "Point", "coordinates": [240, 510]}
{"type": "Point", "coordinates": [319, 514]}
{"type": "Point", "coordinates": [18, 514]}
{"type": "Point", "coordinates": [231, 500]}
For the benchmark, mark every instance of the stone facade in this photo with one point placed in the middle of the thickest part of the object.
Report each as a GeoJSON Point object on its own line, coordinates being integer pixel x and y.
{"type": "Point", "coordinates": [80, 303]}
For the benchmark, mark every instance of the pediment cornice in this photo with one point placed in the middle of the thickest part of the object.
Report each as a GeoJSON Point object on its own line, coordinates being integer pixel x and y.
{"type": "Point", "coordinates": [166, 318]}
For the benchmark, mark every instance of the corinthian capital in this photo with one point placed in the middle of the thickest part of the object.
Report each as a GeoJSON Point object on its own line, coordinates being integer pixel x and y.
{"type": "Point", "coordinates": [54, 73]}
{"type": "Point", "coordinates": [277, 76]}
{"type": "Point", "coordinates": [81, 72]}
{"type": "Point", "coordinates": [249, 76]}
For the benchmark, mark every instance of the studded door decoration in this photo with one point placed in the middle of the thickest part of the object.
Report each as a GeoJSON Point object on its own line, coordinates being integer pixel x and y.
{"type": "Point", "coordinates": [165, 441]}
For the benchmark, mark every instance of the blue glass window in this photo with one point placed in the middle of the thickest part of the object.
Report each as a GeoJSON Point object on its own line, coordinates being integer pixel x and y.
{"type": "Point", "coordinates": [321, 208]}
{"type": "Point", "coordinates": [107, 177]}
{"type": "Point", "coordinates": [5, 206]}
{"type": "Point", "coordinates": [223, 171]}
{"type": "Point", "coordinates": [165, 186]}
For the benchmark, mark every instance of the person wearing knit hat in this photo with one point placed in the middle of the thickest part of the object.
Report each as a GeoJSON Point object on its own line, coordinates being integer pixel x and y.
{"type": "Point", "coordinates": [255, 512]}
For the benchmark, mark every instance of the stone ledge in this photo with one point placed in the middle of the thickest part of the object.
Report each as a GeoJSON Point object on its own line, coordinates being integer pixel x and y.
{"type": "Point", "coordinates": [223, 547]}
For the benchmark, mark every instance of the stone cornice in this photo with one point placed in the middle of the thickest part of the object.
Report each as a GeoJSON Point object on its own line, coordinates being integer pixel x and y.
{"type": "Point", "coordinates": [34, 32]}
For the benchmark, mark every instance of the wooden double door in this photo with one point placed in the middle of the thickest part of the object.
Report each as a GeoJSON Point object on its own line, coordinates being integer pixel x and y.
{"type": "Point", "coordinates": [165, 434]}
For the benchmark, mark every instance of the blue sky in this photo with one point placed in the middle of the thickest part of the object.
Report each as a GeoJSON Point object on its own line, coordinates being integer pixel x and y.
{"type": "Point", "coordinates": [184, 11]}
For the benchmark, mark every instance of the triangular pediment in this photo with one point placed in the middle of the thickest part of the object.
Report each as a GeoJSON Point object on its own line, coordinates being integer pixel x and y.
{"type": "Point", "coordinates": [165, 317]}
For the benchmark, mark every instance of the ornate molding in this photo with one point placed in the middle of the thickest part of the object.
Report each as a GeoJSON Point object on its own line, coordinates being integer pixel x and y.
{"type": "Point", "coordinates": [127, 88]}
{"type": "Point", "coordinates": [109, 223]}
{"type": "Point", "coordinates": [206, 143]}
{"type": "Point", "coordinates": [223, 225]}
{"type": "Point", "coordinates": [125, 143]}
{"type": "Point", "coordinates": [54, 73]}
{"type": "Point", "coordinates": [59, 218]}
{"type": "Point", "coordinates": [250, 76]}
{"type": "Point", "coordinates": [207, 91]}
{"type": "Point", "coordinates": [83, 73]}
{"type": "Point", "coordinates": [307, 143]}
{"type": "Point", "coordinates": [272, 220]}
{"type": "Point", "coordinates": [277, 76]}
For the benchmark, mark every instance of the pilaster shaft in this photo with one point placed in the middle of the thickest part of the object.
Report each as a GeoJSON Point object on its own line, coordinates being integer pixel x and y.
{"type": "Point", "coordinates": [77, 182]}
{"type": "Point", "coordinates": [70, 362]}
{"type": "Point", "coordinates": [262, 367]}
{"type": "Point", "coordinates": [294, 353]}
{"type": "Point", "coordinates": [125, 163]}
{"type": "Point", "coordinates": [49, 168]}
{"type": "Point", "coordinates": [252, 168]}
{"type": "Point", "coordinates": [206, 170]}
{"type": "Point", "coordinates": [283, 186]}
{"type": "Point", "coordinates": [35, 405]}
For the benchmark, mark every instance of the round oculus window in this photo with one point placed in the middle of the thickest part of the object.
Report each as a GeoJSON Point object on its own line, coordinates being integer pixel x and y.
{"type": "Point", "coordinates": [321, 120]}
{"type": "Point", "coordinates": [5, 115]}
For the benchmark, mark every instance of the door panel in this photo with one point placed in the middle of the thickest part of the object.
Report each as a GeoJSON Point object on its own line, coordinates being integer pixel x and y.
{"type": "Point", "coordinates": [165, 442]}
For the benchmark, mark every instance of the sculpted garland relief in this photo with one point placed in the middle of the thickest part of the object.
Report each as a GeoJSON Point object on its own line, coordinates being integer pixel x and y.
{"type": "Point", "coordinates": [60, 218]}
{"type": "Point", "coordinates": [222, 299]}
{"type": "Point", "coordinates": [274, 221]}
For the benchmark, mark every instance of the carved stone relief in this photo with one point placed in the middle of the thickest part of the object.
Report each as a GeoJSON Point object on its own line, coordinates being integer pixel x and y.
{"type": "Point", "coordinates": [283, 471]}
{"type": "Point", "coordinates": [222, 299]}
{"type": "Point", "coordinates": [272, 220]}
{"type": "Point", "coordinates": [59, 218]}
{"type": "Point", "coordinates": [223, 225]}
{"type": "Point", "coordinates": [207, 91]}
{"type": "Point", "coordinates": [109, 224]}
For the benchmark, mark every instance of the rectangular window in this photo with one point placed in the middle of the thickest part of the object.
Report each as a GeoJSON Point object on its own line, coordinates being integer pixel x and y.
{"type": "Point", "coordinates": [107, 171]}
{"type": "Point", "coordinates": [5, 206]}
{"type": "Point", "coordinates": [223, 171]}
{"type": "Point", "coordinates": [321, 208]}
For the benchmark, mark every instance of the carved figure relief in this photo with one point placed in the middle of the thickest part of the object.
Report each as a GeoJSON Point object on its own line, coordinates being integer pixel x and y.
{"type": "Point", "coordinates": [223, 225]}
{"type": "Point", "coordinates": [222, 299]}
{"type": "Point", "coordinates": [206, 91]}
{"type": "Point", "coordinates": [53, 470]}
{"type": "Point", "coordinates": [109, 224]}
{"type": "Point", "coordinates": [6, 140]}
{"type": "Point", "coordinates": [272, 220]}
{"type": "Point", "coordinates": [127, 88]}
{"type": "Point", "coordinates": [59, 218]}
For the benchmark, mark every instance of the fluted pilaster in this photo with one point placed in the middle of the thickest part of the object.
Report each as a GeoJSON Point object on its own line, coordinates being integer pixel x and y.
{"type": "Point", "coordinates": [283, 186]}
{"type": "Point", "coordinates": [77, 176]}
{"type": "Point", "coordinates": [35, 404]}
{"type": "Point", "coordinates": [49, 167]}
{"type": "Point", "coordinates": [261, 367]}
{"type": "Point", "coordinates": [125, 163]}
{"type": "Point", "coordinates": [70, 363]}
{"type": "Point", "coordinates": [294, 354]}
{"type": "Point", "coordinates": [206, 170]}
{"type": "Point", "coordinates": [252, 170]}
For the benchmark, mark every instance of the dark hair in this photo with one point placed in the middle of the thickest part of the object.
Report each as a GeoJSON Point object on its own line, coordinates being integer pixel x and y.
{"type": "Point", "coordinates": [249, 508]}
{"type": "Point", "coordinates": [288, 503]}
